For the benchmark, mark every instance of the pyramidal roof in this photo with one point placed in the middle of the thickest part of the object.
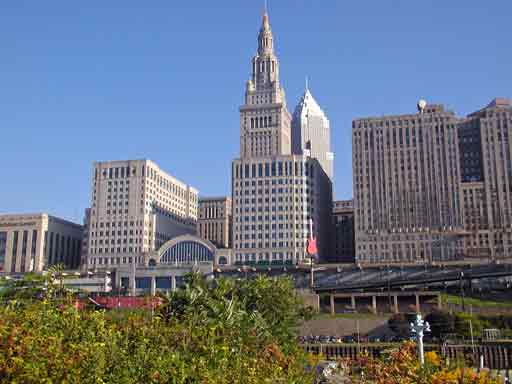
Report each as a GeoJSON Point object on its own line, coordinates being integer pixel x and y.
{"type": "Point", "coordinates": [308, 105]}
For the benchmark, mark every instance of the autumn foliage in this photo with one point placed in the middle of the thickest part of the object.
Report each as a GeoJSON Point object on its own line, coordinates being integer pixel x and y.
{"type": "Point", "coordinates": [401, 366]}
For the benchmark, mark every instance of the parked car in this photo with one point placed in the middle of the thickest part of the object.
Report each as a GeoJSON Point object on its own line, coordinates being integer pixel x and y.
{"type": "Point", "coordinates": [348, 339]}
{"type": "Point", "coordinates": [374, 339]}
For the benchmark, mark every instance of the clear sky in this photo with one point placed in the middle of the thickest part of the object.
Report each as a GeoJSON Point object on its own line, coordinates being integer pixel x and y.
{"type": "Point", "coordinates": [163, 79]}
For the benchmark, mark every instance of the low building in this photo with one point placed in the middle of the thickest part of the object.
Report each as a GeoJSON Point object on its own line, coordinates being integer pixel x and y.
{"type": "Point", "coordinates": [343, 240]}
{"type": "Point", "coordinates": [32, 242]}
{"type": "Point", "coordinates": [214, 220]}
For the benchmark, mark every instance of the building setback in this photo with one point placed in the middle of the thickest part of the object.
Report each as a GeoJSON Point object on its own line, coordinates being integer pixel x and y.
{"type": "Point", "coordinates": [214, 221]}
{"type": "Point", "coordinates": [486, 169]}
{"type": "Point", "coordinates": [406, 187]}
{"type": "Point", "coordinates": [32, 242]}
{"type": "Point", "coordinates": [274, 192]}
{"type": "Point", "coordinates": [343, 235]}
{"type": "Point", "coordinates": [135, 208]}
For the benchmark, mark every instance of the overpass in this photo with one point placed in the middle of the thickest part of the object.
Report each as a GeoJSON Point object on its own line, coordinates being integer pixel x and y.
{"type": "Point", "coordinates": [392, 277]}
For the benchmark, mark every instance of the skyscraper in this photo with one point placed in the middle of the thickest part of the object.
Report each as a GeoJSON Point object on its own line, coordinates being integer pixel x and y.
{"type": "Point", "coordinates": [311, 132]}
{"type": "Point", "coordinates": [486, 169]}
{"type": "Point", "coordinates": [406, 186]}
{"type": "Point", "coordinates": [264, 118]}
{"type": "Point", "coordinates": [274, 192]}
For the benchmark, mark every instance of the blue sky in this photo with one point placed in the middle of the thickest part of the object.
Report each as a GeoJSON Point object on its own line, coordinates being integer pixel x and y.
{"type": "Point", "coordinates": [162, 79]}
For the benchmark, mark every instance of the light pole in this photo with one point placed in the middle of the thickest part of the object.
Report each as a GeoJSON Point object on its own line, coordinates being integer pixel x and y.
{"type": "Point", "coordinates": [389, 288]}
{"type": "Point", "coordinates": [462, 289]}
{"type": "Point", "coordinates": [419, 327]}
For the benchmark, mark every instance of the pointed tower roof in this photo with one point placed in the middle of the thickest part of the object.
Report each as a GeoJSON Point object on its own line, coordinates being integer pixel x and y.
{"type": "Point", "coordinates": [308, 105]}
{"type": "Point", "coordinates": [265, 38]}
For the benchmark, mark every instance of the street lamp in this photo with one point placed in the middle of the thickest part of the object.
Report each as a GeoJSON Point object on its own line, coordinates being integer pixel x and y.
{"type": "Point", "coordinates": [462, 289]}
{"type": "Point", "coordinates": [419, 327]}
{"type": "Point", "coordinates": [389, 287]}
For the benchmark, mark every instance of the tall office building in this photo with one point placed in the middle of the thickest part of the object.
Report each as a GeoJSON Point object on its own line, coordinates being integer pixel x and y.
{"type": "Point", "coordinates": [486, 175]}
{"type": "Point", "coordinates": [406, 187]}
{"type": "Point", "coordinates": [343, 242]}
{"type": "Point", "coordinates": [135, 208]}
{"type": "Point", "coordinates": [214, 221]}
{"type": "Point", "coordinates": [274, 192]}
{"type": "Point", "coordinates": [311, 132]}
{"type": "Point", "coordinates": [32, 242]}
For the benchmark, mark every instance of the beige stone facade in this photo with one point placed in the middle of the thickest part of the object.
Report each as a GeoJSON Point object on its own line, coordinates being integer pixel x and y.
{"type": "Point", "coordinates": [135, 208]}
{"type": "Point", "coordinates": [32, 242]}
{"type": "Point", "coordinates": [486, 167]}
{"type": "Point", "coordinates": [275, 193]}
{"type": "Point", "coordinates": [406, 187]}
{"type": "Point", "coordinates": [214, 221]}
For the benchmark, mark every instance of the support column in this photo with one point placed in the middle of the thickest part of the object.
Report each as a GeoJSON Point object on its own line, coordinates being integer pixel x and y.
{"type": "Point", "coordinates": [395, 302]}
{"type": "Point", "coordinates": [333, 309]}
{"type": "Point", "coordinates": [374, 304]}
{"type": "Point", "coordinates": [153, 286]}
{"type": "Point", "coordinates": [418, 309]}
{"type": "Point", "coordinates": [118, 280]}
{"type": "Point", "coordinates": [131, 284]}
{"type": "Point", "coordinates": [353, 302]}
{"type": "Point", "coordinates": [173, 283]}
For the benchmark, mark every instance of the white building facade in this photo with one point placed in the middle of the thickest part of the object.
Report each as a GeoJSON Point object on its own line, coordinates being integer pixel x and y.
{"type": "Point", "coordinates": [135, 208]}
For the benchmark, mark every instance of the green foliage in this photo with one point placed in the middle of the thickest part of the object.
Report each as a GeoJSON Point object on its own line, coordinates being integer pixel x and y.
{"type": "Point", "coordinates": [400, 323]}
{"type": "Point", "coordinates": [441, 323]}
{"type": "Point", "coordinates": [225, 332]}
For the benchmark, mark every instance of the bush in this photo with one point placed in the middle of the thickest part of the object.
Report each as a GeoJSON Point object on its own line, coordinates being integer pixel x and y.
{"type": "Point", "coordinates": [220, 333]}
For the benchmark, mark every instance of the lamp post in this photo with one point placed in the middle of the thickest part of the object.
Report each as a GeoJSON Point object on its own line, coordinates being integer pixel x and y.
{"type": "Point", "coordinates": [462, 289]}
{"type": "Point", "coordinates": [389, 288]}
{"type": "Point", "coordinates": [419, 327]}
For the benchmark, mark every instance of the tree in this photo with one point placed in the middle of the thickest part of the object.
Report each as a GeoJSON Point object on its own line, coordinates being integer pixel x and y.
{"type": "Point", "coordinates": [400, 324]}
{"type": "Point", "coordinates": [441, 323]}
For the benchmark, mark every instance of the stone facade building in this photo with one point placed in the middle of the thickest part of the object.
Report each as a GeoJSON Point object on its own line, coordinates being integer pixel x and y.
{"type": "Point", "coordinates": [135, 208]}
{"type": "Point", "coordinates": [274, 192]}
{"type": "Point", "coordinates": [486, 169]}
{"type": "Point", "coordinates": [214, 221]}
{"type": "Point", "coordinates": [32, 242]}
{"type": "Point", "coordinates": [406, 187]}
{"type": "Point", "coordinates": [343, 235]}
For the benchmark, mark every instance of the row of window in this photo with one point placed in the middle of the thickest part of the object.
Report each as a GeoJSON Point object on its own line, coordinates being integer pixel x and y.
{"type": "Point", "coordinates": [274, 168]}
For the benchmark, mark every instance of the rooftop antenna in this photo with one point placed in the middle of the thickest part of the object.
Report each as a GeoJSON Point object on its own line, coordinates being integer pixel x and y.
{"type": "Point", "coordinates": [307, 83]}
{"type": "Point", "coordinates": [265, 7]}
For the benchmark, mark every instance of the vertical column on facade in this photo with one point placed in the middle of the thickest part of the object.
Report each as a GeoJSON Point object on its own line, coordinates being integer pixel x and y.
{"type": "Point", "coordinates": [395, 302]}
{"type": "Point", "coordinates": [153, 286]}
{"type": "Point", "coordinates": [131, 283]}
{"type": "Point", "coordinates": [374, 304]}
{"type": "Point", "coordinates": [173, 283]}
{"type": "Point", "coordinates": [418, 309]}
{"type": "Point", "coordinates": [333, 309]}
{"type": "Point", "coordinates": [353, 302]}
